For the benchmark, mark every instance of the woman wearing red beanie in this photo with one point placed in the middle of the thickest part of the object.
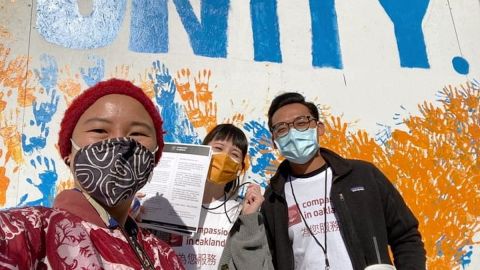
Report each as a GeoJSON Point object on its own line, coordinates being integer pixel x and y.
{"type": "Point", "coordinates": [111, 138]}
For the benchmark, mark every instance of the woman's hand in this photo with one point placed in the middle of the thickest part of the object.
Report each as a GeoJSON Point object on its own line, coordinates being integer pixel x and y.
{"type": "Point", "coordinates": [253, 199]}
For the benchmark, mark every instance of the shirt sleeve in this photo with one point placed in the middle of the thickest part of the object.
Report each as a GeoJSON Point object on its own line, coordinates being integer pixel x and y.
{"type": "Point", "coordinates": [21, 234]}
{"type": "Point", "coordinates": [246, 246]}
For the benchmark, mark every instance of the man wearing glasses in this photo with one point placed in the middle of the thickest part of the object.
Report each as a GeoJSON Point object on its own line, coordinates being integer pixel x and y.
{"type": "Point", "coordinates": [323, 211]}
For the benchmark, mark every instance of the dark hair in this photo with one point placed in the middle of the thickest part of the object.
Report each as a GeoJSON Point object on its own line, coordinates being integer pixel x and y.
{"type": "Point", "coordinates": [290, 98]}
{"type": "Point", "coordinates": [229, 132]}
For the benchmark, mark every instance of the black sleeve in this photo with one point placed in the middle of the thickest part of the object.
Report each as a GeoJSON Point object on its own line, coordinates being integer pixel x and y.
{"type": "Point", "coordinates": [404, 237]}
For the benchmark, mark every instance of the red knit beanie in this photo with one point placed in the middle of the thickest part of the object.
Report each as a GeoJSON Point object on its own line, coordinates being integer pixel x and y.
{"type": "Point", "coordinates": [82, 102]}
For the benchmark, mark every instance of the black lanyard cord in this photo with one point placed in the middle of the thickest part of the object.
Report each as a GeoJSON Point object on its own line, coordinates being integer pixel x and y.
{"type": "Point", "coordinates": [324, 249]}
{"type": "Point", "coordinates": [142, 256]}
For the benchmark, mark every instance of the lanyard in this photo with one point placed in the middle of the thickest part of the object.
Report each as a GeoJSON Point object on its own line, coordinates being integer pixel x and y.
{"type": "Point", "coordinates": [324, 249]}
{"type": "Point", "coordinates": [111, 223]}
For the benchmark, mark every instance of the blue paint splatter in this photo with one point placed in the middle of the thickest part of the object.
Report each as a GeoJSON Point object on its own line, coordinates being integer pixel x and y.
{"type": "Point", "coordinates": [260, 152]}
{"type": "Point", "coordinates": [48, 179]}
{"type": "Point", "coordinates": [176, 124]}
{"type": "Point", "coordinates": [61, 23]}
{"type": "Point", "coordinates": [266, 36]}
{"type": "Point", "coordinates": [95, 73]}
{"type": "Point", "coordinates": [208, 37]}
{"type": "Point", "coordinates": [461, 65]}
{"type": "Point", "coordinates": [384, 134]}
{"type": "Point", "coordinates": [438, 244]}
{"type": "Point", "coordinates": [48, 73]}
{"type": "Point", "coordinates": [407, 17]}
{"type": "Point", "coordinates": [43, 112]}
{"type": "Point", "coordinates": [149, 26]}
{"type": "Point", "coordinates": [325, 40]}
{"type": "Point", "coordinates": [466, 258]}
{"type": "Point", "coordinates": [34, 143]}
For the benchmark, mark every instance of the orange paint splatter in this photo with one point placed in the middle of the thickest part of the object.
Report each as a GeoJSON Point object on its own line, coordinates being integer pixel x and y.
{"type": "Point", "coordinates": [4, 182]}
{"type": "Point", "coordinates": [435, 166]}
{"type": "Point", "coordinates": [12, 141]}
{"type": "Point", "coordinates": [237, 119]}
{"type": "Point", "coordinates": [121, 72]}
{"type": "Point", "coordinates": [4, 34]}
{"type": "Point", "coordinates": [64, 185]}
{"type": "Point", "coordinates": [200, 107]}
{"type": "Point", "coordinates": [69, 85]}
{"type": "Point", "coordinates": [13, 75]}
{"type": "Point", "coordinates": [147, 84]}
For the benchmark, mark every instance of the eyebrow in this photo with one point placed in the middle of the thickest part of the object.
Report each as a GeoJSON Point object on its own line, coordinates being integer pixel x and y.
{"type": "Point", "coordinates": [134, 123]}
{"type": "Point", "coordinates": [143, 124]}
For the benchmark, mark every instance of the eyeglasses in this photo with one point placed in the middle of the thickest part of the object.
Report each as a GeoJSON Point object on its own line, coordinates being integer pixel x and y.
{"type": "Point", "coordinates": [300, 123]}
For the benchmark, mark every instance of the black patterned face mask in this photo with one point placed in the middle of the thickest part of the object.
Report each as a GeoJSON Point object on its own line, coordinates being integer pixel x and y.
{"type": "Point", "coordinates": [113, 170]}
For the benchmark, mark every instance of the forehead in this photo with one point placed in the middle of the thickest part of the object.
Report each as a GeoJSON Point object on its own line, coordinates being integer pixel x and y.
{"type": "Point", "coordinates": [289, 112]}
{"type": "Point", "coordinates": [117, 108]}
{"type": "Point", "coordinates": [228, 144]}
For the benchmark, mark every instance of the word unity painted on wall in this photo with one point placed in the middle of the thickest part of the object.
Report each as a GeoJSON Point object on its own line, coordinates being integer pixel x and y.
{"type": "Point", "coordinates": [61, 23]}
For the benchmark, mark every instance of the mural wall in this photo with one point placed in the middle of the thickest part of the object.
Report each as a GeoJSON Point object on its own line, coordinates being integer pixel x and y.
{"type": "Point", "coordinates": [396, 82]}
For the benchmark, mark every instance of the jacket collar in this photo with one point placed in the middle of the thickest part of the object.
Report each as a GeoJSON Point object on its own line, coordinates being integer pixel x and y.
{"type": "Point", "coordinates": [75, 202]}
{"type": "Point", "coordinates": [338, 164]}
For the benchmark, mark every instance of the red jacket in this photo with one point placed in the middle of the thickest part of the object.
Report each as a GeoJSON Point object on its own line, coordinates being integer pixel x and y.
{"type": "Point", "coordinates": [55, 238]}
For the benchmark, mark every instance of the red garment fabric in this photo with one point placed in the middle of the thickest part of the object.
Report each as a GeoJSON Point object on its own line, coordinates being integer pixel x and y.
{"type": "Point", "coordinates": [53, 238]}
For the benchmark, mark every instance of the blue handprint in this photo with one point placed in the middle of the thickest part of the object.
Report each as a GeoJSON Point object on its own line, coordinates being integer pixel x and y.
{"type": "Point", "coordinates": [407, 16]}
{"type": "Point", "coordinates": [44, 112]}
{"type": "Point", "coordinates": [48, 73]}
{"type": "Point", "coordinates": [34, 143]}
{"type": "Point", "coordinates": [175, 123]}
{"type": "Point", "coordinates": [94, 73]}
{"type": "Point", "coordinates": [48, 178]}
{"type": "Point", "coordinates": [260, 155]}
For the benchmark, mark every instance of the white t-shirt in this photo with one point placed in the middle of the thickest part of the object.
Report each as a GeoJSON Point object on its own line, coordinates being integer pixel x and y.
{"type": "Point", "coordinates": [204, 249]}
{"type": "Point", "coordinates": [310, 195]}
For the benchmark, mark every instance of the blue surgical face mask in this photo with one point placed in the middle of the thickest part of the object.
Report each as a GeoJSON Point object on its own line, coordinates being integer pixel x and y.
{"type": "Point", "coordinates": [298, 146]}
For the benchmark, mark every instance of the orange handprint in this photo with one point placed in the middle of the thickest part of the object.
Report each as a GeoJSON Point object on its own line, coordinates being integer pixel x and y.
{"type": "Point", "coordinates": [4, 182]}
{"type": "Point", "coordinates": [199, 105]}
{"type": "Point", "coordinates": [70, 85]}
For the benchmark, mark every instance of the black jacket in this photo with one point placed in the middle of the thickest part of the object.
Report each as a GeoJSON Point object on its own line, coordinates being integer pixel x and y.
{"type": "Point", "coordinates": [366, 205]}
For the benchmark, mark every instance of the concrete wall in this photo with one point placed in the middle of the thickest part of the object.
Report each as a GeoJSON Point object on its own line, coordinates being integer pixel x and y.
{"type": "Point", "coordinates": [395, 81]}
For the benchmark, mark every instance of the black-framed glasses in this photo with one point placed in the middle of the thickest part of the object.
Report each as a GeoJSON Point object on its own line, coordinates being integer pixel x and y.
{"type": "Point", "coordinates": [300, 123]}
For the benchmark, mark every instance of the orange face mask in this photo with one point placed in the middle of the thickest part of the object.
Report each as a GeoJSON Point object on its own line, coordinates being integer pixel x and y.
{"type": "Point", "coordinates": [223, 169]}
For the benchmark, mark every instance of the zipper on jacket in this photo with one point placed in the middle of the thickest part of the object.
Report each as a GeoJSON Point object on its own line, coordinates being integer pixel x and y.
{"type": "Point", "coordinates": [350, 233]}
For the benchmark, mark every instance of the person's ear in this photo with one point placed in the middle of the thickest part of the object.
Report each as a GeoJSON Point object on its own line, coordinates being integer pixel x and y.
{"type": "Point", "coordinates": [273, 143]}
{"type": "Point", "coordinates": [67, 160]}
{"type": "Point", "coordinates": [320, 129]}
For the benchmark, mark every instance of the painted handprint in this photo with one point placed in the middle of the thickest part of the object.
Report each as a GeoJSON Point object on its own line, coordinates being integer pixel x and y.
{"type": "Point", "coordinates": [12, 72]}
{"type": "Point", "coordinates": [47, 178]}
{"type": "Point", "coordinates": [4, 183]}
{"type": "Point", "coordinates": [177, 126]}
{"type": "Point", "coordinates": [11, 139]}
{"type": "Point", "coordinates": [262, 157]}
{"type": "Point", "coordinates": [199, 104]}
{"type": "Point", "coordinates": [43, 114]}
{"type": "Point", "coordinates": [48, 73]}
{"type": "Point", "coordinates": [43, 111]}
{"type": "Point", "coordinates": [95, 72]}
{"type": "Point", "coordinates": [69, 85]}
{"type": "Point", "coordinates": [163, 84]}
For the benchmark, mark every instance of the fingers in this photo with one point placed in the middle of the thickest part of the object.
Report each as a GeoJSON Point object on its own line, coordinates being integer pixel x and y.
{"type": "Point", "coordinates": [253, 199]}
